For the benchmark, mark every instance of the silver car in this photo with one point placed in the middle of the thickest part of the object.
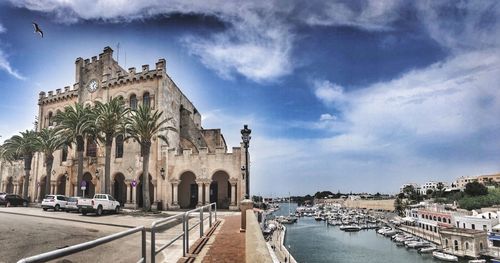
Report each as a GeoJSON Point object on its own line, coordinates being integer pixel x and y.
{"type": "Point", "coordinates": [72, 204]}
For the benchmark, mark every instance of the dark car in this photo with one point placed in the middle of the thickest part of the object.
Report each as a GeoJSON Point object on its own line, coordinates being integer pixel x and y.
{"type": "Point", "coordinates": [13, 200]}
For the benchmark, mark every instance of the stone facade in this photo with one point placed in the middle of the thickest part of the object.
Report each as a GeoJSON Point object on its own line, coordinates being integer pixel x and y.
{"type": "Point", "coordinates": [197, 166]}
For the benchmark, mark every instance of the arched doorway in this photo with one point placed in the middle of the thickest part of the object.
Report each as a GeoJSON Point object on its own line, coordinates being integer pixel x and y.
{"type": "Point", "coordinates": [188, 191]}
{"type": "Point", "coordinates": [90, 190]}
{"type": "Point", "coordinates": [10, 186]}
{"type": "Point", "coordinates": [41, 188]}
{"type": "Point", "coordinates": [120, 189]}
{"type": "Point", "coordinates": [139, 191]}
{"type": "Point", "coordinates": [61, 185]}
{"type": "Point", "coordinates": [220, 190]}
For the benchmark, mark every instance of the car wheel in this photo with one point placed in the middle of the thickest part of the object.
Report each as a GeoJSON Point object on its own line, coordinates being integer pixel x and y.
{"type": "Point", "coordinates": [8, 204]}
{"type": "Point", "coordinates": [67, 211]}
{"type": "Point", "coordinates": [44, 209]}
{"type": "Point", "coordinates": [56, 208]}
{"type": "Point", "coordinates": [117, 210]}
{"type": "Point", "coordinates": [99, 211]}
{"type": "Point", "coordinates": [25, 204]}
{"type": "Point", "coordinates": [84, 212]}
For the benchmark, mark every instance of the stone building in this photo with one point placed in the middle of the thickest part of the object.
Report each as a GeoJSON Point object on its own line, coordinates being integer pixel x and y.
{"type": "Point", "coordinates": [193, 168]}
{"type": "Point", "coordinates": [463, 242]}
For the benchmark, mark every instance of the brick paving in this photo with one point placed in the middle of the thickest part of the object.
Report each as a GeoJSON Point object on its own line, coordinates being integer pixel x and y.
{"type": "Point", "coordinates": [229, 243]}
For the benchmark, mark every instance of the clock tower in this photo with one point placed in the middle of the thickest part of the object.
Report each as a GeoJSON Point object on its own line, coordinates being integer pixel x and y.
{"type": "Point", "coordinates": [92, 75]}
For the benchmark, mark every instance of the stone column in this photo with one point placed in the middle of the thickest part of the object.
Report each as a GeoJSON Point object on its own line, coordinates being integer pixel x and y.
{"type": "Point", "coordinates": [207, 192]}
{"type": "Point", "coordinates": [155, 186]}
{"type": "Point", "coordinates": [127, 183]}
{"type": "Point", "coordinates": [75, 190]}
{"type": "Point", "coordinates": [134, 194]}
{"type": "Point", "coordinates": [15, 188]}
{"type": "Point", "coordinates": [200, 192]}
{"type": "Point", "coordinates": [175, 184]}
{"type": "Point", "coordinates": [234, 202]}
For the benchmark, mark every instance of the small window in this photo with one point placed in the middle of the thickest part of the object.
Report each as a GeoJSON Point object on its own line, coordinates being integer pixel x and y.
{"type": "Point", "coordinates": [91, 148]}
{"type": "Point", "coordinates": [473, 226]}
{"type": "Point", "coordinates": [119, 146]}
{"type": "Point", "coordinates": [50, 119]}
{"type": "Point", "coordinates": [449, 220]}
{"type": "Point", "coordinates": [146, 100]}
{"type": "Point", "coordinates": [466, 245]}
{"type": "Point", "coordinates": [133, 102]}
{"type": "Point", "coordinates": [485, 227]}
{"type": "Point", "coordinates": [64, 153]}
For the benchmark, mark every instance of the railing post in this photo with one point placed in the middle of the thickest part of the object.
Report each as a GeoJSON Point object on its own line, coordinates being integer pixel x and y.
{"type": "Point", "coordinates": [153, 246]}
{"type": "Point", "coordinates": [210, 215]}
{"type": "Point", "coordinates": [187, 232]}
{"type": "Point", "coordinates": [144, 243]}
{"type": "Point", "coordinates": [184, 236]}
{"type": "Point", "coordinates": [201, 222]}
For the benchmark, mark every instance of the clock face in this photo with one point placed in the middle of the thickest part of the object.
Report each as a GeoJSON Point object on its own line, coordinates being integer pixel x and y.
{"type": "Point", "coordinates": [92, 85]}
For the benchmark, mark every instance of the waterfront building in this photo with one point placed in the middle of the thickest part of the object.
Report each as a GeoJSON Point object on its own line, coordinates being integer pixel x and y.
{"type": "Point", "coordinates": [492, 178]}
{"type": "Point", "coordinates": [463, 242]}
{"type": "Point", "coordinates": [415, 186]}
{"type": "Point", "coordinates": [434, 217]}
{"type": "Point", "coordinates": [431, 185]}
{"type": "Point", "coordinates": [460, 182]}
{"type": "Point", "coordinates": [483, 221]}
{"type": "Point", "coordinates": [192, 169]}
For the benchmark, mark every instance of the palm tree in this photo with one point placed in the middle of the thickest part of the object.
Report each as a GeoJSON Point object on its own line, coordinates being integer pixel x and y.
{"type": "Point", "coordinates": [145, 125]}
{"type": "Point", "coordinates": [48, 141]}
{"type": "Point", "coordinates": [110, 118]}
{"type": "Point", "coordinates": [22, 146]}
{"type": "Point", "coordinates": [75, 124]}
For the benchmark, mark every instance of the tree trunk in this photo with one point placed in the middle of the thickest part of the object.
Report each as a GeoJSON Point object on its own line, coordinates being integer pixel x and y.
{"type": "Point", "coordinates": [27, 169]}
{"type": "Point", "coordinates": [107, 165]}
{"type": "Point", "coordinates": [80, 143]}
{"type": "Point", "coordinates": [146, 203]}
{"type": "Point", "coordinates": [48, 170]}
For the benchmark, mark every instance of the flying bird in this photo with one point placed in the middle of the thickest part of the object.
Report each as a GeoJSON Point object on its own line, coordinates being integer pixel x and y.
{"type": "Point", "coordinates": [37, 29]}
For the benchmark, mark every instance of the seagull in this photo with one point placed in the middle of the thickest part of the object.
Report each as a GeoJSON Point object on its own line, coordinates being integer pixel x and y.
{"type": "Point", "coordinates": [37, 29]}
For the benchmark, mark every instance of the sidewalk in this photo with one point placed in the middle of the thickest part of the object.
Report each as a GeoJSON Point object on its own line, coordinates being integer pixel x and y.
{"type": "Point", "coordinates": [227, 244]}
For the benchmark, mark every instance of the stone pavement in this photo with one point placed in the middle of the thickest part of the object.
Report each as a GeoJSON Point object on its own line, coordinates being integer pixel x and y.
{"type": "Point", "coordinates": [226, 245]}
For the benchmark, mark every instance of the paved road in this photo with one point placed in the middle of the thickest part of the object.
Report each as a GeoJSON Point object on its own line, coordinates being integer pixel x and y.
{"type": "Point", "coordinates": [30, 231]}
{"type": "Point", "coordinates": [23, 236]}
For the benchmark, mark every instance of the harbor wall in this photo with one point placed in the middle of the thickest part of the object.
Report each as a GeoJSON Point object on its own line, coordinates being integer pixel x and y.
{"type": "Point", "coordinates": [256, 249]}
{"type": "Point", "coordinates": [386, 204]}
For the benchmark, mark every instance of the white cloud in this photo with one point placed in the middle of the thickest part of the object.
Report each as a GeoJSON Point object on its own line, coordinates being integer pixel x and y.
{"type": "Point", "coordinates": [4, 63]}
{"type": "Point", "coordinates": [327, 117]}
{"type": "Point", "coordinates": [328, 92]}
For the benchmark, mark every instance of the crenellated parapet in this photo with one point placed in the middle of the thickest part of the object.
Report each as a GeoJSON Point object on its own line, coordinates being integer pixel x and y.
{"type": "Point", "coordinates": [132, 76]}
{"type": "Point", "coordinates": [58, 95]}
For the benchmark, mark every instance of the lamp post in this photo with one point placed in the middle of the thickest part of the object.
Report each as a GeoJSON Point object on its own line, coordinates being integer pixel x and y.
{"type": "Point", "coordinates": [245, 136]}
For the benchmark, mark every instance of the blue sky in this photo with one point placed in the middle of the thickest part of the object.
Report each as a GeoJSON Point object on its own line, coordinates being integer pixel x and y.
{"type": "Point", "coordinates": [340, 95]}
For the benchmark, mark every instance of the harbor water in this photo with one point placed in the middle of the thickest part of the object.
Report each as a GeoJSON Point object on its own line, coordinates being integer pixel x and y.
{"type": "Point", "coordinates": [312, 241]}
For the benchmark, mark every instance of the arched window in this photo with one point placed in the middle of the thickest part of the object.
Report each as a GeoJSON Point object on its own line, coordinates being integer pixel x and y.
{"type": "Point", "coordinates": [446, 243]}
{"type": "Point", "coordinates": [91, 148]}
{"type": "Point", "coordinates": [119, 146]}
{"type": "Point", "coordinates": [466, 245]}
{"type": "Point", "coordinates": [439, 219]}
{"type": "Point", "coordinates": [481, 246]}
{"type": "Point", "coordinates": [146, 101]}
{"type": "Point", "coordinates": [64, 153]}
{"type": "Point", "coordinates": [133, 102]}
{"type": "Point", "coordinates": [456, 245]}
{"type": "Point", "coordinates": [50, 119]}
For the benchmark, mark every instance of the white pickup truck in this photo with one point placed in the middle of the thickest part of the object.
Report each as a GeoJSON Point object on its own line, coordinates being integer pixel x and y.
{"type": "Point", "coordinates": [98, 204]}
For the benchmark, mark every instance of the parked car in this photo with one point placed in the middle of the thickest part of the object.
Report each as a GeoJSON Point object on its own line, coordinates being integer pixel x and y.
{"type": "Point", "coordinates": [72, 204]}
{"type": "Point", "coordinates": [99, 204]}
{"type": "Point", "coordinates": [56, 202]}
{"type": "Point", "coordinates": [13, 200]}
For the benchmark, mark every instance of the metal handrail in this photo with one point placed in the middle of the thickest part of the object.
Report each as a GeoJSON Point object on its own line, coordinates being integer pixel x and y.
{"type": "Point", "coordinates": [186, 223]}
{"type": "Point", "coordinates": [88, 245]}
{"type": "Point", "coordinates": [185, 229]}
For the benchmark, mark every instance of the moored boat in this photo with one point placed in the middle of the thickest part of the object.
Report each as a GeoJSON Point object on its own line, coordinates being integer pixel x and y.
{"type": "Point", "coordinates": [444, 257]}
{"type": "Point", "coordinates": [426, 250]}
{"type": "Point", "coordinates": [350, 228]}
{"type": "Point", "coordinates": [477, 261]}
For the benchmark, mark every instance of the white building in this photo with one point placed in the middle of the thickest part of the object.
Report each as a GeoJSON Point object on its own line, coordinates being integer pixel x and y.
{"type": "Point", "coordinates": [432, 185]}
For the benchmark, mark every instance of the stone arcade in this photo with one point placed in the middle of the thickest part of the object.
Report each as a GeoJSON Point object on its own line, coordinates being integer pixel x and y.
{"type": "Point", "coordinates": [195, 168]}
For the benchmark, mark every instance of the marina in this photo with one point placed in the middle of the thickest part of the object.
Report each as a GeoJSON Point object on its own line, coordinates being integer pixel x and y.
{"type": "Point", "coordinates": [309, 240]}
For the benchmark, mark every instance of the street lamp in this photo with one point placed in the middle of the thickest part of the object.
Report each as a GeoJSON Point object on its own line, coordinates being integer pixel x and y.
{"type": "Point", "coordinates": [245, 136]}
{"type": "Point", "coordinates": [162, 173]}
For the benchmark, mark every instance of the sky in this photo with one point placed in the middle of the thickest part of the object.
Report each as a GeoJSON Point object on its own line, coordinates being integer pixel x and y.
{"type": "Point", "coordinates": [358, 96]}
